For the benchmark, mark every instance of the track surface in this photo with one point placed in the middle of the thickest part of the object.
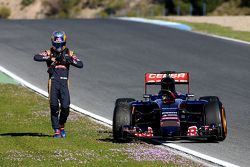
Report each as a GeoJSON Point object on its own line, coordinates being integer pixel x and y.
{"type": "Point", "coordinates": [118, 53]}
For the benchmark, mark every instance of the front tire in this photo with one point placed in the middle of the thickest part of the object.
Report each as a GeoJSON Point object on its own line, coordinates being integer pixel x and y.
{"type": "Point", "coordinates": [215, 114]}
{"type": "Point", "coordinates": [122, 116]}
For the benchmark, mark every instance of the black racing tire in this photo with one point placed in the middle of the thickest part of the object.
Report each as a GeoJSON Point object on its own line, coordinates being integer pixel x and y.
{"type": "Point", "coordinates": [215, 114]}
{"type": "Point", "coordinates": [210, 98]}
{"type": "Point", "coordinates": [122, 116]}
{"type": "Point", "coordinates": [123, 101]}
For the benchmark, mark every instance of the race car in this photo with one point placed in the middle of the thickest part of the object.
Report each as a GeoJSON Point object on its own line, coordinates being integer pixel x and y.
{"type": "Point", "coordinates": [168, 114]}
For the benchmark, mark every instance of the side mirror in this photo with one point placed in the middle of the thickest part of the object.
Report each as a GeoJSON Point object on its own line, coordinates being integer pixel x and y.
{"type": "Point", "coordinates": [146, 96]}
{"type": "Point", "coordinates": [189, 96]}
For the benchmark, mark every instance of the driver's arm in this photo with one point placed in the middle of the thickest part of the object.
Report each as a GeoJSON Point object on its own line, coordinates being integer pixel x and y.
{"type": "Point", "coordinates": [43, 56]}
{"type": "Point", "coordinates": [75, 61]}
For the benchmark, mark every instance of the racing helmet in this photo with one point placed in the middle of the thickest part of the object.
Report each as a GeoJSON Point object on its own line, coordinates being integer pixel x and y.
{"type": "Point", "coordinates": [168, 84]}
{"type": "Point", "coordinates": [58, 40]}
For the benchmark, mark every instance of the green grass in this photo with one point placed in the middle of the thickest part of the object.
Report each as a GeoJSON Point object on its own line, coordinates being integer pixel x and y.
{"type": "Point", "coordinates": [219, 30]}
{"type": "Point", "coordinates": [216, 30]}
{"type": "Point", "coordinates": [6, 79]}
{"type": "Point", "coordinates": [25, 137]}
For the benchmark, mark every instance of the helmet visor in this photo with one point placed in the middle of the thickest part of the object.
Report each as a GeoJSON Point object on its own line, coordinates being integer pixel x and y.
{"type": "Point", "coordinates": [58, 46]}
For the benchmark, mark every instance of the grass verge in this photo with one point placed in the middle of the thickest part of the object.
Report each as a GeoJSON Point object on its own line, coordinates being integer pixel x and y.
{"type": "Point", "coordinates": [25, 137]}
{"type": "Point", "coordinates": [215, 29]}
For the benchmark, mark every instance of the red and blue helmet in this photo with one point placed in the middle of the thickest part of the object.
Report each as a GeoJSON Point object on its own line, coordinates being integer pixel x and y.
{"type": "Point", "coordinates": [58, 40]}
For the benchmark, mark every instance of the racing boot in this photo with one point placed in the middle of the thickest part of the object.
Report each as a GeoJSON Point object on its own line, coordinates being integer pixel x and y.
{"type": "Point", "coordinates": [57, 133]}
{"type": "Point", "coordinates": [62, 131]}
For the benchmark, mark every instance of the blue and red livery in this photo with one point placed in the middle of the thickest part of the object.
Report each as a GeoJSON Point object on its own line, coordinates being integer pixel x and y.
{"type": "Point", "coordinates": [169, 114]}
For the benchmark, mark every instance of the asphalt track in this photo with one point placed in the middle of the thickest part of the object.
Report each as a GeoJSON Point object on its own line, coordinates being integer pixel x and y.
{"type": "Point", "coordinates": [116, 55]}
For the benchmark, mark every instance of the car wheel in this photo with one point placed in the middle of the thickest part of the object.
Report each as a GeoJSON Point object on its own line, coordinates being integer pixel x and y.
{"type": "Point", "coordinates": [215, 114]}
{"type": "Point", "coordinates": [122, 116]}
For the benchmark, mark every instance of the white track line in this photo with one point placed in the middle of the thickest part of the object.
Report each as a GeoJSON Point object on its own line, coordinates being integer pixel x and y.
{"type": "Point", "coordinates": [109, 122]}
{"type": "Point", "coordinates": [176, 26]}
{"type": "Point", "coordinates": [44, 93]}
{"type": "Point", "coordinates": [200, 155]}
{"type": "Point", "coordinates": [23, 82]}
{"type": "Point", "coordinates": [92, 115]}
{"type": "Point", "coordinates": [221, 37]}
{"type": "Point", "coordinates": [157, 22]}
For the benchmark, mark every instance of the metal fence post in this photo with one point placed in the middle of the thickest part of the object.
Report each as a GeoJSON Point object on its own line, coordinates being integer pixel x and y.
{"type": "Point", "coordinates": [178, 10]}
{"type": "Point", "coordinates": [204, 7]}
{"type": "Point", "coordinates": [191, 9]}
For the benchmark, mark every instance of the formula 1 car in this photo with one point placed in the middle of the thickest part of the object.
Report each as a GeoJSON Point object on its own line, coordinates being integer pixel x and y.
{"type": "Point", "coordinates": [169, 114]}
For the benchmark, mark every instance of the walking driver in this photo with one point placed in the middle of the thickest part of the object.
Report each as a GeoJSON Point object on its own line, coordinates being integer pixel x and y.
{"type": "Point", "coordinates": [58, 59]}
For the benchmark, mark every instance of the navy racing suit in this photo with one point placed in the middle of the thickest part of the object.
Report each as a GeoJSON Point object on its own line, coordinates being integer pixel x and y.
{"type": "Point", "coordinates": [58, 82]}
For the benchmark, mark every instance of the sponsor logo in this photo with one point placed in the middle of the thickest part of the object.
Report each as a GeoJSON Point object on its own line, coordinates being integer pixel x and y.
{"type": "Point", "coordinates": [173, 108]}
{"type": "Point", "coordinates": [170, 118]}
{"type": "Point", "coordinates": [172, 114]}
{"type": "Point", "coordinates": [160, 76]}
{"type": "Point", "coordinates": [178, 77]}
{"type": "Point", "coordinates": [169, 113]}
{"type": "Point", "coordinates": [192, 131]}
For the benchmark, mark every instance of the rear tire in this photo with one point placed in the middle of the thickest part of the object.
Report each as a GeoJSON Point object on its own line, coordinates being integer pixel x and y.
{"type": "Point", "coordinates": [215, 114]}
{"type": "Point", "coordinates": [122, 116]}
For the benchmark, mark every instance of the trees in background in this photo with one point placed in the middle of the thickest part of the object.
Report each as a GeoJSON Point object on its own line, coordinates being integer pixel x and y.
{"type": "Point", "coordinates": [169, 7]}
{"type": "Point", "coordinates": [173, 6]}
{"type": "Point", "coordinates": [245, 3]}
{"type": "Point", "coordinates": [194, 7]}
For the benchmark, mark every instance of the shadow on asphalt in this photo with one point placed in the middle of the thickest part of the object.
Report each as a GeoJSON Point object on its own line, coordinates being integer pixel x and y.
{"type": "Point", "coordinates": [25, 134]}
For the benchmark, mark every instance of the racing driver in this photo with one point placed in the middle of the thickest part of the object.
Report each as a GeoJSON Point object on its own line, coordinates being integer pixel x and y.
{"type": "Point", "coordinates": [58, 59]}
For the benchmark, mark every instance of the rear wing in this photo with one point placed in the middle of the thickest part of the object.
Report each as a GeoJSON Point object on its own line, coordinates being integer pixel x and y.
{"type": "Point", "coordinates": [155, 78]}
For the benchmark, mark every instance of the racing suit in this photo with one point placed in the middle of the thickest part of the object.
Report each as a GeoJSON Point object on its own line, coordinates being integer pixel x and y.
{"type": "Point", "coordinates": [58, 82]}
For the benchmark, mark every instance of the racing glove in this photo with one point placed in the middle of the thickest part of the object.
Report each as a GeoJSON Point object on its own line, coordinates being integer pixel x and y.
{"type": "Point", "coordinates": [68, 59]}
